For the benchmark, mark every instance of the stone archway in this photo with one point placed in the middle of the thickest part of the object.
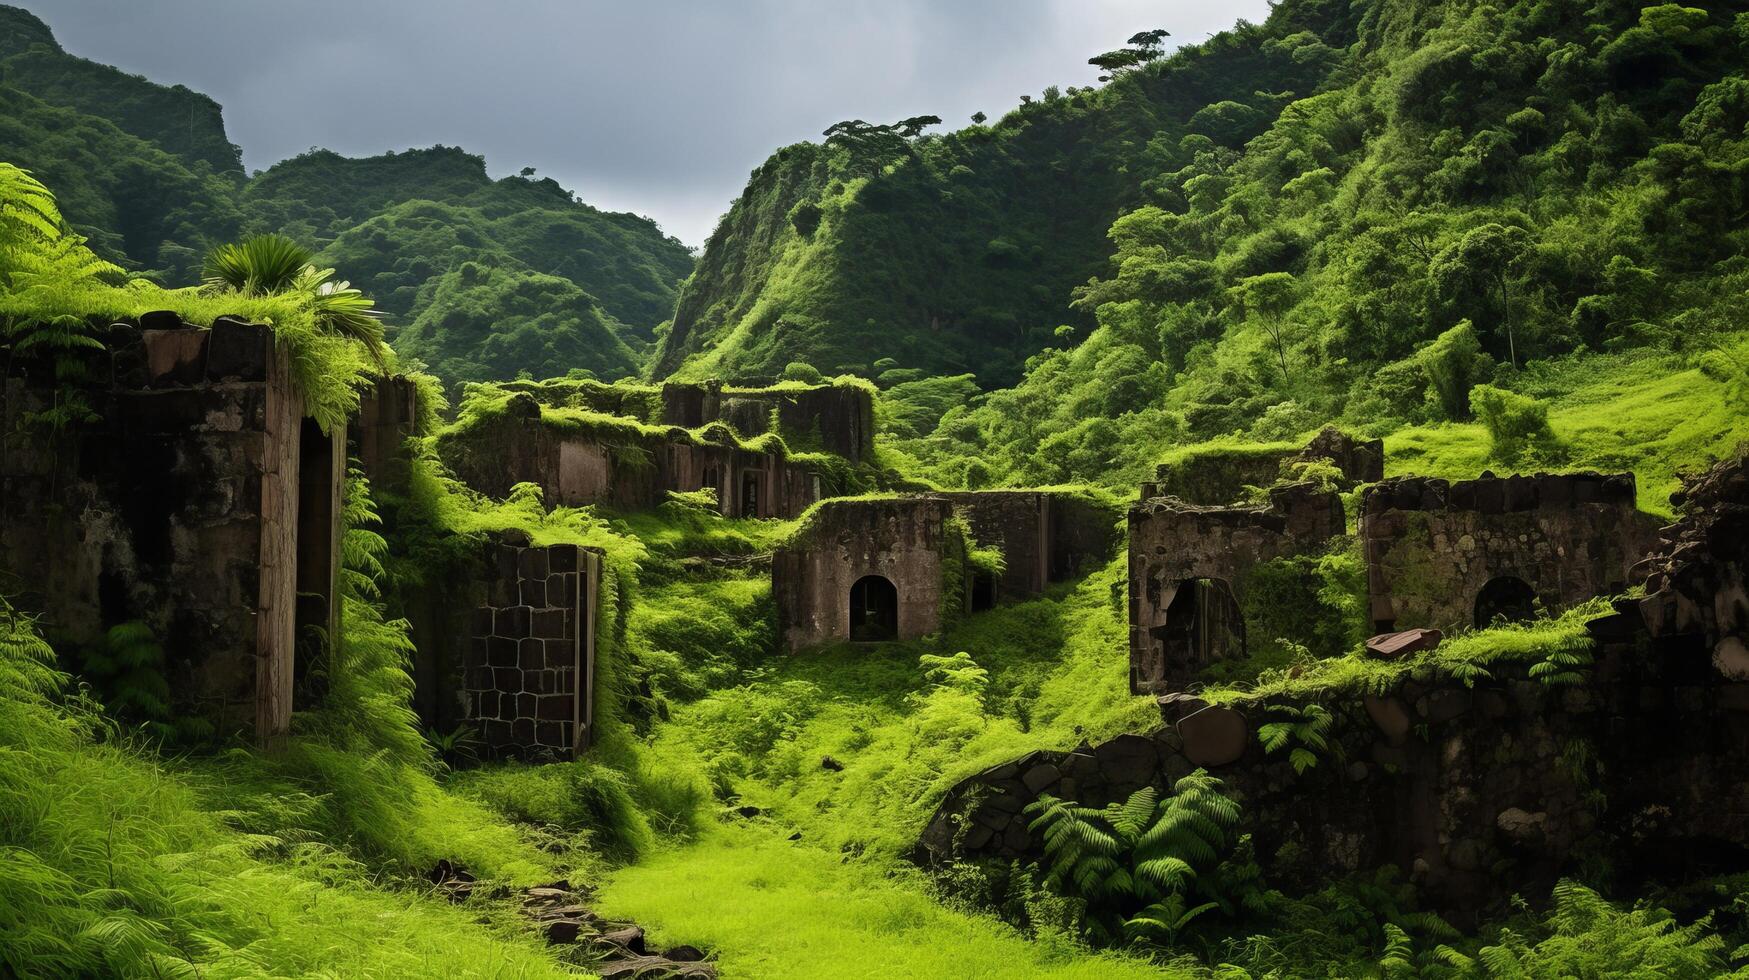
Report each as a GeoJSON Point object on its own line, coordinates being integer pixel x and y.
{"type": "Point", "coordinates": [874, 610]}
{"type": "Point", "coordinates": [1505, 597]}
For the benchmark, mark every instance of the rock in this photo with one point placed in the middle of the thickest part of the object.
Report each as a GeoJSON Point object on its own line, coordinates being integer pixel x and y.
{"type": "Point", "coordinates": [561, 931]}
{"type": "Point", "coordinates": [547, 893]}
{"type": "Point", "coordinates": [795, 836]}
{"type": "Point", "coordinates": [830, 764]}
{"type": "Point", "coordinates": [1521, 827]}
{"type": "Point", "coordinates": [630, 938]}
{"type": "Point", "coordinates": [1391, 717]}
{"type": "Point", "coordinates": [1039, 777]}
{"type": "Point", "coordinates": [748, 811]}
{"type": "Point", "coordinates": [1214, 736]}
{"type": "Point", "coordinates": [1131, 758]}
{"type": "Point", "coordinates": [1390, 646]}
{"type": "Point", "coordinates": [641, 967]}
{"type": "Point", "coordinates": [161, 320]}
{"type": "Point", "coordinates": [685, 954]}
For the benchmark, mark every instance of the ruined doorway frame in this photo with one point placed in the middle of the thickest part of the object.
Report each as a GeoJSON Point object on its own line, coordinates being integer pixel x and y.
{"type": "Point", "coordinates": [1202, 609]}
{"type": "Point", "coordinates": [1508, 596]}
{"type": "Point", "coordinates": [882, 606]}
{"type": "Point", "coordinates": [752, 488]}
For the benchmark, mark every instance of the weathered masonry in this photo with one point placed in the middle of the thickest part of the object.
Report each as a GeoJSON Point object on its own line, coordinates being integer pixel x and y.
{"type": "Point", "coordinates": [1449, 555]}
{"type": "Point", "coordinates": [625, 466]}
{"type": "Point", "coordinates": [1473, 789]}
{"type": "Point", "coordinates": [866, 570]}
{"type": "Point", "coordinates": [200, 501]}
{"type": "Point", "coordinates": [1045, 537]}
{"type": "Point", "coordinates": [837, 419]}
{"type": "Point", "coordinates": [1219, 474]}
{"type": "Point", "coordinates": [1186, 578]}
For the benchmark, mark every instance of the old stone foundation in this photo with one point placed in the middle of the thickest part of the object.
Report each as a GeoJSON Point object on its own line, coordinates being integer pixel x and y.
{"type": "Point", "coordinates": [1045, 537]}
{"type": "Point", "coordinates": [1219, 475]}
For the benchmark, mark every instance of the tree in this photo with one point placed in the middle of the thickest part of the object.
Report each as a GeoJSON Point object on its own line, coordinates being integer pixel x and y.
{"type": "Point", "coordinates": [525, 172]}
{"type": "Point", "coordinates": [979, 117]}
{"type": "Point", "coordinates": [873, 145]}
{"type": "Point", "coordinates": [1144, 49]}
{"type": "Point", "coordinates": [1484, 259]}
{"type": "Point", "coordinates": [1269, 297]}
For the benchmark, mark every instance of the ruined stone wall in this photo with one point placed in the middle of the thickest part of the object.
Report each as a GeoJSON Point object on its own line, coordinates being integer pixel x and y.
{"type": "Point", "coordinates": [388, 415]}
{"type": "Point", "coordinates": [186, 505]}
{"type": "Point", "coordinates": [1219, 475]}
{"type": "Point", "coordinates": [1432, 546]}
{"type": "Point", "coordinates": [1474, 794]}
{"type": "Point", "coordinates": [903, 539]}
{"type": "Point", "coordinates": [581, 469]}
{"type": "Point", "coordinates": [1044, 536]}
{"type": "Point", "coordinates": [1172, 543]}
{"type": "Point", "coordinates": [528, 672]}
{"type": "Point", "coordinates": [827, 418]}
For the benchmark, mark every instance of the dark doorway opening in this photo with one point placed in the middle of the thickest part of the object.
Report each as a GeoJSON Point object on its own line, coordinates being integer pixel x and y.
{"type": "Point", "coordinates": [983, 591]}
{"type": "Point", "coordinates": [874, 610]}
{"type": "Point", "coordinates": [1507, 597]}
{"type": "Point", "coordinates": [318, 562]}
{"type": "Point", "coordinates": [750, 493]}
{"type": "Point", "coordinates": [1202, 624]}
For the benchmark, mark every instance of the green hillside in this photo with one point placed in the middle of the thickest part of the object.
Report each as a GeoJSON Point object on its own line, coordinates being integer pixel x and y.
{"type": "Point", "coordinates": [1478, 196]}
{"type": "Point", "coordinates": [146, 171]}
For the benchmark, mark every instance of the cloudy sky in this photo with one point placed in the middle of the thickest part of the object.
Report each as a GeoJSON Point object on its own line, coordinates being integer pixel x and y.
{"type": "Point", "coordinates": [661, 107]}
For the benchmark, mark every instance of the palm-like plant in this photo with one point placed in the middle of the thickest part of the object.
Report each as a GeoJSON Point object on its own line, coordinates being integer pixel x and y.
{"type": "Point", "coordinates": [268, 264]}
{"type": "Point", "coordinates": [1136, 863]}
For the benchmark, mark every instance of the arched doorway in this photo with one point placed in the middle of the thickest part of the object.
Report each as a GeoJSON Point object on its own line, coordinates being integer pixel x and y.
{"type": "Point", "coordinates": [1202, 624]}
{"type": "Point", "coordinates": [1506, 597]}
{"type": "Point", "coordinates": [874, 610]}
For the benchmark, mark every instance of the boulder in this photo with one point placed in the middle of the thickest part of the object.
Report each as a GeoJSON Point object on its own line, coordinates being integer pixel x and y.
{"type": "Point", "coordinates": [1214, 736]}
{"type": "Point", "coordinates": [1391, 717]}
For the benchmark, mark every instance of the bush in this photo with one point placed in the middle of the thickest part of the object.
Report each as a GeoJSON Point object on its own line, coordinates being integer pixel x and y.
{"type": "Point", "coordinates": [802, 371]}
{"type": "Point", "coordinates": [1518, 426]}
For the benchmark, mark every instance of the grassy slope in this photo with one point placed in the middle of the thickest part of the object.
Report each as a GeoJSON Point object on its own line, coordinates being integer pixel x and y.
{"type": "Point", "coordinates": [779, 910]}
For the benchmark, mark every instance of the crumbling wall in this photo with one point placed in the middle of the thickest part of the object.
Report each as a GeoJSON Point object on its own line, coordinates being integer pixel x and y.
{"type": "Point", "coordinates": [187, 505]}
{"type": "Point", "coordinates": [1045, 536]}
{"type": "Point", "coordinates": [1174, 544]}
{"type": "Point", "coordinates": [903, 540]}
{"type": "Point", "coordinates": [626, 472]}
{"type": "Point", "coordinates": [1220, 474]}
{"type": "Point", "coordinates": [1433, 546]}
{"type": "Point", "coordinates": [837, 419]}
{"type": "Point", "coordinates": [388, 415]}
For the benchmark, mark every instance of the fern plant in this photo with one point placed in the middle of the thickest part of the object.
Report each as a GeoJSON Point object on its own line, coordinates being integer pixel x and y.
{"type": "Point", "coordinates": [1139, 864]}
{"type": "Point", "coordinates": [1565, 661]}
{"type": "Point", "coordinates": [268, 264]}
{"type": "Point", "coordinates": [1299, 730]}
{"type": "Point", "coordinates": [126, 670]}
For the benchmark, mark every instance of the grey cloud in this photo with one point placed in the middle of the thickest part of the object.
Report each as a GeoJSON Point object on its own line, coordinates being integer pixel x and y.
{"type": "Point", "coordinates": [659, 107]}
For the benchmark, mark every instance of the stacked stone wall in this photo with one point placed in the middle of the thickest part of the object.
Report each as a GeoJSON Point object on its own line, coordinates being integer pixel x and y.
{"type": "Point", "coordinates": [903, 540]}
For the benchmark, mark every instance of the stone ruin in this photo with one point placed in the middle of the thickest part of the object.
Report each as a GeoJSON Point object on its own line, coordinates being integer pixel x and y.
{"type": "Point", "coordinates": [1220, 474]}
{"type": "Point", "coordinates": [889, 569]}
{"type": "Point", "coordinates": [1045, 537]}
{"type": "Point", "coordinates": [1187, 574]}
{"type": "Point", "coordinates": [865, 570]}
{"type": "Point", "coordinates": [1476, 790]}
{"type": "Point", "coordinates": [507, 648]}
{"type": "Point", "coordinates": [1448, 555]}
{"type": "Point", "coordinates": [626, 468]}
{"type": "Point", "coordinates": [201, 502]}
{"type": "Point", "coordinates": [836, 419]}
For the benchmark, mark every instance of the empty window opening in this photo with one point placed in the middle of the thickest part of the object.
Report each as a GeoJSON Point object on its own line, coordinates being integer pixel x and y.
{"type": "Point", "coordinates": [1202, 624]}
{"type": "Point", "coordinates": [1507, 598]}
{"type": "Point", "coordinates": [315, 540]}
{"type": "Point", "coordinates": [874, 610]}
{"type": "Point", "coordinates": [712, 479]}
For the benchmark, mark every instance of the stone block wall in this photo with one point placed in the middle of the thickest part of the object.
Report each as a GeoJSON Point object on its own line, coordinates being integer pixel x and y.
{"type": "Point", "coordinates": [903, 540]}
{"type": "Point", "coordinates": [388, 415]}
{"type": "Point", "coordinates": [1045, 536]}
{"type": "Point", "coordinates": [528, 671]}
{"type": "Point", "coordinates": [580, 469]}
{"type": "Point", "coordinates": [1173, 543]}
{"type": "Point", "coordinates": [200, 502]}
{"type": "Point", "coordinates": [1432, 547]}
{"type": "Point", "coordinates": [1220, 475]}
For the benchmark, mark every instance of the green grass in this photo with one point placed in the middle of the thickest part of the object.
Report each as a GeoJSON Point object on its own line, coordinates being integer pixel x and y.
{"type": "Point", "coordinates": [775, 909]}
{"type": "Point", "coordinates": [1651, 414]}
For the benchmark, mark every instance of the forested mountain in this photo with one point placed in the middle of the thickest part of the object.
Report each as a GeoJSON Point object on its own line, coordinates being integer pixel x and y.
{"type": "Point", "coordinates": [957, 252]}
{"type": "Point", "coordinates": [1536, 195]}
{"type": "Point", "coordinates": [147, 172]}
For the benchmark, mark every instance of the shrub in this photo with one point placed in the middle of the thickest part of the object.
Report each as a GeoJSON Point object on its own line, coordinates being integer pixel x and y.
{"type": "Point", "coordinates": [1518, 426]}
